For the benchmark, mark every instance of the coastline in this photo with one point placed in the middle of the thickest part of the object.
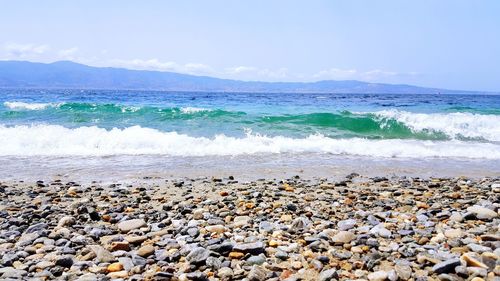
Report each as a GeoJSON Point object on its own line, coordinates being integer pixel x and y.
{"type": "Point", "coordinates": [136, 168]}
{"type": "Point", "coordinates": [354, 228]}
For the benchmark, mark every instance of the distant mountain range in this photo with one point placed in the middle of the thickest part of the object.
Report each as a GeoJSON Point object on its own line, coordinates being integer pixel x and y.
{"type": "Point", "coordinates": [71, 75]}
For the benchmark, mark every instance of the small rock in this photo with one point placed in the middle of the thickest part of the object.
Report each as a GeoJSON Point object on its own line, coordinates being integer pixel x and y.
{"type": "Point", "coordinates": [198, 256]}
{"type": "Point", "coordinates": [377, 276]}
{"type": "Point", "coordinates": [446, 266]}
{"type": "Point", "coordinates": [482, 213]}
{"type": "Point", "coordinates": [343, 237]}
{"type": "Point", "coordinates": [146, 251]}
{"type": "Point", "coordinates": [128, 225]}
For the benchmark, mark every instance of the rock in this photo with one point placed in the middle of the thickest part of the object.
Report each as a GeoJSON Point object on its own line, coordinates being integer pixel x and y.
{"type": "Point", "coordinates": [346, 224]}
{"type": "Point", "coordinates": [119, 246]}
{"type": "Point", "coordinates": [146, 251]}
{"type": "Point", "coordinates": [114, 267]}
{"type": "Point", "coordinates": [453, 233]}
{"type": "Point", "coordinates": [128, 225]}
{"type": "Point", "coordinates": [255, 260]}
{"type": "Point", "coordinates": [102, 254]}
{"type": "Point", "coordinates": [118, 274]}
{"type": "Point", "coordinates": [328, 275]}
{"type": "Point", "coordinates": [215, 228]}
{"type": "Point", "coordinates": [482, 213]}
{"type": "Point", "coordinates": [299, 224]}
{"type": "Point", "coordinates": [198, 256]}
{"type": "Point", "coordinates": [241, 221]}
{"type": "Point", "coordinates": [198, 214]}
{"type": "Point", "coordinates": [257, 273]}
{"type": "Point", "coordinates": [196, 276]}
{"type": "Point", "coordinates": [446, 266]}
{"type": "Point", "coordinates": [236, 255]}
{"type": "Point", "coordinates": [65, 261]}
{"type": "Point", "coordinates": [225, 273]}
{"type": "Point", "coordinates": [403, 271]}
{"type": "Point", "coordinates": [343, 237]}
{"type": "Point", "coordinates": [381, 231]}
{"type": "Point", "coordinates": [377, 276]}
{"type": "Point", "coordinates": [213, 262]}
{"type": "Point", "coordinates": [251, 248]}
{"type": "Point", "coordinates": [470, 260]}
{"type": "Point", "coordinates": [66, 221]}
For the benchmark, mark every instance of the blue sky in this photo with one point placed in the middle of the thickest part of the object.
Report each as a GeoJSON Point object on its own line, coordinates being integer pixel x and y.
{"type": "Point", "coordinates": [450, 44]}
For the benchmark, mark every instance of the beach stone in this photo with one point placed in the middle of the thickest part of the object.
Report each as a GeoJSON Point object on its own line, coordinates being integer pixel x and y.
{"type": "Point", "coordinates": [345, 225]}
{"type": "Point", "coordinates": [146, 251]}
{"type": "Point", "coordinates": [241, 221]}
{"type": "Point", "coordinates": [453, 233]}
{"type": "Point", "coordinates": [198, 214]}
{"type": "Point", "coordinates": [198, 256]}
{"type": "Point", "coordinates": [215, 228]}
{"type": "Point", "coordinates": [255, 260]}
{"type": "Point", "coordinates": [482, 213]}
{"type": "Point", "coordinates": [252, 248]}
{"type": "Point", "coordinates": [118, 274]}
{"type": "Point", "coordinates": [377, 276]}
{"type": "Point", "coordinates": [225, 273]}
{"type": "Point", "coordinates": [114, 267]}
{"type": "Point", "coordinates": [213, 262]}
{"type": "Point", "coordinates": [328, 275]}
{"type": "Point", "coordinates": [343, 237]}
{"type": "Point", "coordinates": [128, 225]}
{"type": "Point", "coordinates": [257, 273]}
{"type": "Point", "coordinates": [66, 261]}
{"type": "Point", "coordinates": [471, 260]}
{"type": "Point", "coordinates": [102, 254]}
{"type": "Point", "coordinates": [446, 266]}
{"type": "Point", "coordinates": [403, 271]}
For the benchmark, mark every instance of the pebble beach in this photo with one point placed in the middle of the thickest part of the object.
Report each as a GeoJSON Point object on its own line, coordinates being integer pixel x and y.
{"type": "Point", "coordinates": [358, 228]}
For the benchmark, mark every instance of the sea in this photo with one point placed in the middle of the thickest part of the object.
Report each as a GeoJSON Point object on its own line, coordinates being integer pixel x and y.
{"type": "Point", "coordinates": [110, 135]}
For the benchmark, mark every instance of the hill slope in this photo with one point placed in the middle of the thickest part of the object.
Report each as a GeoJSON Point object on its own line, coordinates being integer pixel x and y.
{"type": "Point", "coordinates": [70, 75]}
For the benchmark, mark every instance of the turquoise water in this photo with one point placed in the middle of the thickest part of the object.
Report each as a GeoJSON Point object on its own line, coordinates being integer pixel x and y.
{"type": "Point", "coordinates": [63, 122]}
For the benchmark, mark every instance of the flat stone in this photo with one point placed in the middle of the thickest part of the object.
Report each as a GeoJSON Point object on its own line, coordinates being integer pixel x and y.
{"type": "Point", "coordinates": [198, 256]}
{"type": "Point", "coordinates": [482, 213]}
{"type": "Point", "coordinates": [328, 275]}
{"type": "Point", "coordinates": [377, 276]}
{"type": "Point", "coordinates": [343, 237]}
{"type": "Point", "coordinates": [446, 266]}
{"type": "Point", "coordinates": [146, 250]}
{"type": "Point", "coordinates": [251, 248]}
{"type": "Point", "coordinates": [128, 225]}
{"type": "Point", "coordinates": [257, 273]}
{"type": "Point", "coordinates": [345, 225]}
{"type": "Point", "coordinates": [102, 254]}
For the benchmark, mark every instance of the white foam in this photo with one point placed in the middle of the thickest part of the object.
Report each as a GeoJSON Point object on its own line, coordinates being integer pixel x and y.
{"type": "Point", "coordinates": [56, 140]}
{"type": "Point", "coordinates": [458, 124]}
{"type": "Point", "coordinates": [26, 106]}
{"type": "Point", "coordinates": [190, 109]}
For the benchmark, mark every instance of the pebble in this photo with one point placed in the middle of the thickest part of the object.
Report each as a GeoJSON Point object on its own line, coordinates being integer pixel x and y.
{"type": "Point", "coordinates": [397, 228]}
{"type": "Point", "coordinates": [128, 225]}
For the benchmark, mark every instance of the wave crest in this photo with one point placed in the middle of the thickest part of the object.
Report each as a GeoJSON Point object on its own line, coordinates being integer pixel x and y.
{"type": "Point", "coordinates": [54, 140]}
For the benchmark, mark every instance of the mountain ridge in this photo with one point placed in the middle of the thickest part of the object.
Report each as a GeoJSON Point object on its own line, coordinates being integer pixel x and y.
{"type": "Point", "coordinates": [72, 75]}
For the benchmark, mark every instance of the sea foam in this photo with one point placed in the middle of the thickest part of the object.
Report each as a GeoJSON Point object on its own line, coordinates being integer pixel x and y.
{"type": "Point", "coordinates": [454, 125]}
{"type": "Point", "coordinates": [27, 106]}
{"type": "Point", "coordinates": [55, 140]}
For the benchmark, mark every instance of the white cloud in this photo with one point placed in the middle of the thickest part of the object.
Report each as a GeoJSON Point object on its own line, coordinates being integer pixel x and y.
{"type": "Point", "coordinates": [16, 50]}
{"type": "Point", "coordinates": [353, 74]}
{"type": "Point", "coordinates": [68, 54]}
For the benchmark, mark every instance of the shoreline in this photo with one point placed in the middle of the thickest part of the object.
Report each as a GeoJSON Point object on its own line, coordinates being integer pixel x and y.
{"type": "Point", "coordinates": [133, 168]}
{"type": "Point", "coordinates": [355, 228]}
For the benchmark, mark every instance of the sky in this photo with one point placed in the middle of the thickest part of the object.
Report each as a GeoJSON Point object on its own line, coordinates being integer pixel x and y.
{"type": "Point", "coordinates": [453, 44]}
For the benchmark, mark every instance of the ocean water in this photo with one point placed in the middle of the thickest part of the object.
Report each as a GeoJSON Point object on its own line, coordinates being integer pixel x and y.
{"type": "Point", "coordinates": [93, 125]}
